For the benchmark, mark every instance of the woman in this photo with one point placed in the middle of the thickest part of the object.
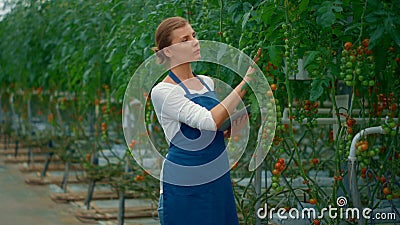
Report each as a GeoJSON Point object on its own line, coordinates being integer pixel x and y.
{"type": "Point", "coordinates": [196, 187]}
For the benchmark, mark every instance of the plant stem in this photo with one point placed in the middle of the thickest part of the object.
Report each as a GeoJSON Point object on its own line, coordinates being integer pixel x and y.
{"type": "Point", "coordinates": [362, 21]}
{"type": "Point", "coordinates": [221, 7]}
{"type": "Point", "coordinates": [290, 99]}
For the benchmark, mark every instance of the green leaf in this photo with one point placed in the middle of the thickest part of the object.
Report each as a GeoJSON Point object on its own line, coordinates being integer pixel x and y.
{"type": "Point", "coordinates": [371, 18]}
{"type": "Point", "coordinates": [245, 19]}
{"type": "Point", "coordinates": [274, 55]}
{"type": "Point", "coordinates": [396, 37]}
{"type": "Point", "coordinates": [221, 52]}
{"type": "Point", "coordinates": [326, 19]}
{"type": "Point", "coordinates": [317, 88]}
{"type": "Point", "coordinates": [109, 59]}
{"type": "Point", "coordinates": [232, 8]}
{"type": "Point", "coordinates": [267, 12]}
{"type": "Point", "coordinates": [350, 28]}
{"type": "Point", "coordinates": [310, 58]}
{"type": "Point", "coordinates": [303, 6]}
{"type": "Point", "coordinates": [376, 35]}
{"type": "Point", "coordinates": [325, 15]}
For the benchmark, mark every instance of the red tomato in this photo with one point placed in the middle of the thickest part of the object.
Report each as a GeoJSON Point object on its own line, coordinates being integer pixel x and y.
{"type": "Point", "coordinates": [313, 201]}
{"type": "Point", "coordinates": [348, 45]}
{"type": "Point", "coordinates": [316, 222]}
{"type": "Point", "coordinates": [273, 87]}
{"type": "Point", "coordinates": [365, 42]}
{"type": "Point", "coordinates": [386, 191]}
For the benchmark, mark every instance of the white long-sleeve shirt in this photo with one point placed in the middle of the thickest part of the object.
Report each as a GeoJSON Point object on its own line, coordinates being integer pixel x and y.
{"type": "Point", "coordinates": [172, 108]}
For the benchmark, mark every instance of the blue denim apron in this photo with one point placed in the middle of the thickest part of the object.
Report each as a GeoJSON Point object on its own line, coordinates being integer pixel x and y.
{"type": "Point", "coordinates": [197, 188]}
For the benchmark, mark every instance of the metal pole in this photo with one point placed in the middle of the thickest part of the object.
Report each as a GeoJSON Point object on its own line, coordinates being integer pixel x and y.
{"type": "Point", "coordinates": [65, 177]}
{"type": "Point", "coordinates": [90, 193]}
{"type": "Point", "coordinates": [46, 165]}
{"type": "Point", "coordinates": [121, 209]}
{"type": "Point", "coordinates": [257, 184]}
{"type": "Point", "coordinates": [352, 164]}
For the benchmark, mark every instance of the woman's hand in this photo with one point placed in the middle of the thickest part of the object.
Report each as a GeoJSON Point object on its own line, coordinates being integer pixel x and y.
{"type": "Point", "coordinates": [249, 73]}
{"type": "Point", "coordinates": [251, 70]}
{"type": "Point", "coordinates": [236, 126]}
{"type": "Point", "coordinates": [227, 106]}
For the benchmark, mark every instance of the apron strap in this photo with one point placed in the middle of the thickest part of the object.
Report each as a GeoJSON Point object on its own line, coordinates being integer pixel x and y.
{"type": "Point", "coordinates": [202, 81]}
{"type": "Point", "coordinates": [178, 81]}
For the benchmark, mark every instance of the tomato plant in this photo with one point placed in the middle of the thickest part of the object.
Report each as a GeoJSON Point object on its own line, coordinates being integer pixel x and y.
{"type": "Point", "coordinates": [333, 68]}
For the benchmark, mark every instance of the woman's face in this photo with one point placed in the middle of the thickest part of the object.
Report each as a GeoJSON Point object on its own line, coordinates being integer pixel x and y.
{"type": "Point", "coordinates": [184, 46]}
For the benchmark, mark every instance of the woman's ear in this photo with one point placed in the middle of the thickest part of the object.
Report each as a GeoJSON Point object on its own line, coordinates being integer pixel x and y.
{"type": "Point", "coordinates": [167, 52]}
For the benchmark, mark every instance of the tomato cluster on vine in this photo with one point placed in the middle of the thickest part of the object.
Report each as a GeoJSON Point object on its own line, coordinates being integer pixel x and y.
{"type": "Point", "coordinates": [276, 174]}
{"type": "Point", "coordinates": [365, 153]}
{"type": "Point", "coordinates": [388, 126]}
{"type": "Point", "coordinates": [105, 109]}
{"type": "Point", "coordinates": [390, 192]}
{"type": "Point", "coordinates": [358, 64]}
{"type": "Point", "coordinates": [291, 43]}
{"type": "Point", "coordinates": [307, 109]}
{"type": "Point", "coordinates": [385, 105]}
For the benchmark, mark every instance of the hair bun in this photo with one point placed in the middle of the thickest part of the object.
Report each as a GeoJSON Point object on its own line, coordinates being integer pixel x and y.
{"type": "Point", "coordinates": [155, 49]}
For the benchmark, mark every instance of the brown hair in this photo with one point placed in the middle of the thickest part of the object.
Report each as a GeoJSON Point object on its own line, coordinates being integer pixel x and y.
{"type": "Point", "coordinates": [163, 35]}
{"type": "Point", "coordinates": [164, 30]}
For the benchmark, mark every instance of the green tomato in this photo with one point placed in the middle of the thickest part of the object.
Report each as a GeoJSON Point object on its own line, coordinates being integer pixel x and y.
{"type": "Point", "coordinates": [372, 74]}
{"type": "Point", "coordinates": [372, 66]}
{"type": "Point", "coordinates": [371, 153]}
{"type": "Point", "coordinates": [349, 77]}
{"type": "Point", "coordinates": [387, 130]}
{"type": "Point", "coordinates": [371, 83]}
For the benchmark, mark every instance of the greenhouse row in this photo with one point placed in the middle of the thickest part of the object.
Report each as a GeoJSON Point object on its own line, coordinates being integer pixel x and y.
{"type": "Point", "coordinates": [199, 112]}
